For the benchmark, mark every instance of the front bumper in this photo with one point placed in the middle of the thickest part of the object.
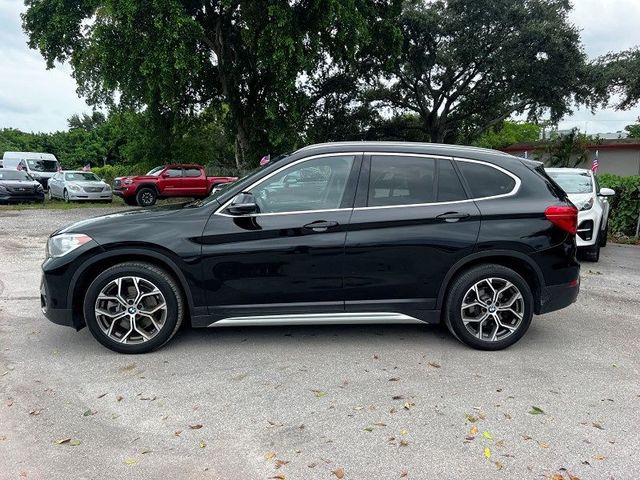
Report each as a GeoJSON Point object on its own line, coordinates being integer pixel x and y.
{"type": "Point", "coordinates": [588, 228]}
{"type": "Point", "coordinates": [90, 196]}
{"type": "Point", "coordinates": [48, 305]}
{"type": "Point", "coordinates": [13, 198]}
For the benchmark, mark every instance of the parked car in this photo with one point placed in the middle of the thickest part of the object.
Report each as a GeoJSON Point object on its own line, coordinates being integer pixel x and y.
{"type": "Point", "coordinates": [18, 187]}
{"type": "Point", "coordinates": [390, 233]}
{"type": "Point", "coordinates": [40, 166]}
{"type": "Point", "coordinates": [79, 186]}
{"type": "Point", "coordinates": [176, 180]}
{"type": "Point", "coordinates": [593, 208]}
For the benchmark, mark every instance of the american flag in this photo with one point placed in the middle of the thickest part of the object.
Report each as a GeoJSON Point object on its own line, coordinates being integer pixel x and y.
{"type": "Point", "coordinates": [594, 163]}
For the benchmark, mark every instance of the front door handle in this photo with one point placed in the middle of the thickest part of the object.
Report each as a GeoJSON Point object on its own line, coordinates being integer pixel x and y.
{"type": "Point", "coordinates": [320, 225]}
{"type": "Point", "coordinates": [452, 216]}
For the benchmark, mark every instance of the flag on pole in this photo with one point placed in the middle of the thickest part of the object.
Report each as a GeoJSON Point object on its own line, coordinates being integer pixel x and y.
{"type": "Point", "coordinates": [264, 160]}
{"type": "Point", "coordinates": [59, 167]}
{"type": "Point", "coordinates": [86, 168]}
{"type": "Point", "coordinates": [594, 163]}
{"type": "Point", "coordinates": [20, 166]}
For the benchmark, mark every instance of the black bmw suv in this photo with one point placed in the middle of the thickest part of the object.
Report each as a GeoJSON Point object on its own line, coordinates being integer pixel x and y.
{"type": "Point", "coordinates": [367, 232]}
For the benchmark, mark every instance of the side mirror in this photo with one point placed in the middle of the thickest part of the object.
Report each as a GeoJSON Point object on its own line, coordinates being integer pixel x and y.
{"type": "Point", "coordinates": [606, 192]}
{"type": "Point", "coordinates": [243, 204]}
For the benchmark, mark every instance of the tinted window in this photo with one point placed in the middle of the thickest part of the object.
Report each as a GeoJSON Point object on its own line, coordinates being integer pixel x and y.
{"type": "Point", "coordinates": [486, 181]}
{"type": "Point", "coordinates": [401, 180]}
{"type": "Point", "coordinates": [43, 165]}
{"type": "Point", "coordinates": [191, 172]}
{"type": "Point", "coordinates": [173, 172]}
{"type": "Point", "coordinates": [317, 184]}
{"type": "Point", "coordinates": [14, 175]}
{"type": "Point", "coordinates": [449, 186]}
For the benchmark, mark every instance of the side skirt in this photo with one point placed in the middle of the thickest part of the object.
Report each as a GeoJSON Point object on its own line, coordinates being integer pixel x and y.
{"type": "Point", "coordinates": [365, 318]}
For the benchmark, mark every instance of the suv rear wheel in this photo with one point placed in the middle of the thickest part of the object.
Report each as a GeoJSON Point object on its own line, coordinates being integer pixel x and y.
{"type": "Point", "coordinates": [489, 307]}
{"type": "Point", "coordinates": [146, 197]}
{"type": "Point", "coordinates": [133, 307]}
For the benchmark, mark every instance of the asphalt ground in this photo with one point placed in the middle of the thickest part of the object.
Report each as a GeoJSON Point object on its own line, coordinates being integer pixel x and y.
{"type": "Point", "coordinates": [326, 402]}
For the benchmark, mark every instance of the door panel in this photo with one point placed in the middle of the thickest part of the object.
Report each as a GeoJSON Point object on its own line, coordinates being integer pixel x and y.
{"type": "Point", "coordinates": [170, 182]}
{"type": "Point", "coordinates": [398, 252]}
{"type": "Point", "coordinates": [282, 260]}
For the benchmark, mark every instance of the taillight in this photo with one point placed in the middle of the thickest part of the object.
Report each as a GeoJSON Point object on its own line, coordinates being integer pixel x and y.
{"type": "Point", "coordinates": [564, 217]}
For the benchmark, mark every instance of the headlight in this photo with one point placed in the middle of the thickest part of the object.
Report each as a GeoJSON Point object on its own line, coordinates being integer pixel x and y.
{"type": "Point", "coordinates": [128, 181]}
{"type": "Point", "coordinates": [64, 243]}
{"type": "Point", "coordinates": [73, 187]}
{"type": "Point", "coordinates": [106, 188]}
{"type": "Point", "coordinates": [587, 205]}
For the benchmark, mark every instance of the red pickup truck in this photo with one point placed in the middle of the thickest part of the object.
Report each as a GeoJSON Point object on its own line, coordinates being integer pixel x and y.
{"type": "Point", "coordinates": [173, 180]}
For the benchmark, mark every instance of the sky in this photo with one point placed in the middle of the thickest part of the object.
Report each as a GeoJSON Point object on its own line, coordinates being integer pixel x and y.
{"type": "Point", "coordinates": [33, 98]}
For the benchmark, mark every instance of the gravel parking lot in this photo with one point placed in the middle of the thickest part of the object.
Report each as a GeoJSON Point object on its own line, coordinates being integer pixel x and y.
{"type": "Point", "coordinates": [359, 402]}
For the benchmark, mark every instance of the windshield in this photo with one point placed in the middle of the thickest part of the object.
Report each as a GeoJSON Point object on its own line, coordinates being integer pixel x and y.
{"type": "Point", "coordinates": [14, 175]}
{"type": "Point", "coordinates": [81, 177]}
{"type": "Point", "coordinates": [573, 182]}
{"type": "Point", "coordinates": [155, 171]}
{"type": "Point", "coordinates": [43, 165]}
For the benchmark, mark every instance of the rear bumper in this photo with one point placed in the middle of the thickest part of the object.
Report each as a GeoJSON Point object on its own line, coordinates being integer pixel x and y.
{"type": "Point", "coordinates": [556, 297]}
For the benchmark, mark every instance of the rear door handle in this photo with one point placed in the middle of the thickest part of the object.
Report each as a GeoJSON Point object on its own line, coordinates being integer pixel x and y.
{"type": "Point", "coordinates": [452, 216]}
{"type": "Point", "coordinates": [320, 225]}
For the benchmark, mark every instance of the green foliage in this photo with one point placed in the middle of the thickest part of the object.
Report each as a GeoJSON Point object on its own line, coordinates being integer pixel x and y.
{"type": "Point", "coordinates": [509, 133]}
{"type": "Point", "coordinates": [625, 205]}
{"type": "Point", "coordinates": [617, 76]}
{"type": "Point", "coordinates": [633, 130]}
{"type": "Point", "coordinates": [466, 66]}
{"type": "Point", "coordinates": [568, 150]}
{"type": "Point", "coordinates": [109, 172]}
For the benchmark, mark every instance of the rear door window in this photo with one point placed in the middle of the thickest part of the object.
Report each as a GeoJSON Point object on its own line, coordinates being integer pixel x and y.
{"type": "Point", "coordinates": [486, 181]}
{"type": "Point", "coordinates": [191, 172]}
{"type": "Point", "coordinates": [449, 185]}
{"type": "Point", "coordinates": [401, 180]}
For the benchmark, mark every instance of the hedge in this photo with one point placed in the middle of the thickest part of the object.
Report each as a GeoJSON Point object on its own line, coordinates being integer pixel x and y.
{"type": "Point", "coordinates": [625, 205]}
{"type": "Point", "coordinates": [109, 172]}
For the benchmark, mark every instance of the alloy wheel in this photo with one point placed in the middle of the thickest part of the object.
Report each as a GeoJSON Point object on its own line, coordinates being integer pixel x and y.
{"type": "Point", "coordinates": [492, 309]}
{"type": "Point", "coordinates": [130, 310]}
{"type": "Point", "coordinates": [147, 198]}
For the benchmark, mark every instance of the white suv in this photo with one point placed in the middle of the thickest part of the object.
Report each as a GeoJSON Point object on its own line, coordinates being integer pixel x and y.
{"type": "Point", "coordinates": [593, 208]}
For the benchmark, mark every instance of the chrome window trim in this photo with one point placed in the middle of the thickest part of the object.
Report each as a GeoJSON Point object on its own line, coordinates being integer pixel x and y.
{"type": "Point", "coordinates": [284, 167]}
{"type": "Point", "coordinates": [515, 189]}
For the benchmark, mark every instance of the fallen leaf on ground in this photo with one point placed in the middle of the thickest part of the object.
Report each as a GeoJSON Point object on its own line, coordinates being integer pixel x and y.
{"type": "Point", "coordinates": [394, 379]}
{"type": "Point", "coordinates": [89, 412]}
{"type": "Point", "coordinates": [339, 472]}
{"type": "Point", "coordinates": [35, 411]}
{"type": "Point", "coordinates": [119, 398]}
{"type": "Point", "coordinates": [129, 367]}
{"type": "Point", "coordinates": [487, 435]}
{"type": "Point", "coordinates": [269, 455]}
{"type": "Point", "coordinates": [408, 405]}
{"type": "Point", "coordinates": [274, 424]}
{"type": "Point", "coordinates": [279, 476]}
{"type": "Point", "coordinates": [202, 444]}
{"type": "Point", "coordinates": [403, 443]}
{"type": "Point", "coordinates": [380, 424]}
{"type": "Point", "coordinates": [131, 461]}
{"type": "Point", "coordinates": [543, 444]}
{"type": "Point", "coordinates": [599, 457]}
{"type": "Point", "coordinates": [145, 451]}
{"type": "Point", "coordinates": [536, 410]}
{"type": "Point", "coordinates": [471, 418]}
{"type": "Point", "coordinates": [403, 473]}
{"type": "Point", "coordinates": [319, 393]}
{"type": "Point", "coordinates": [499, 465]}
{"type": "Point", "coordinates": [474, 430]}
{"type": "Point", "coordinates": [434, 364]}
{"type": "Point", "coordinates": [74, 443]}
{"type": "Point", "coordinates": [102, 395]}
{"type": "Point", "coordinates": [487, 452]}
{"type": "Point", "coordinates": [60, 441]}
{"type": "Point", "coordinates": [196, 426]}
{"type": "Point", "coordinates": [404, 431]}
{"type": "Point", "coordinates": [280, 463]}
{"type": "Point", "coordinates": [368, 429]}
{"type": "Point", "coordinates": [8, 403]}
{"type": "Point", "coordinates": [526, 437]}
{"type": "Point", "coordinates": [598, 425]}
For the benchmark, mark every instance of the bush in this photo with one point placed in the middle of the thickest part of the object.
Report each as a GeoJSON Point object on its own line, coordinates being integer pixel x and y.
{"type": "Point", "coordinates": [109, 172]}
{"type": "Point", "coordinates": [625, 206]}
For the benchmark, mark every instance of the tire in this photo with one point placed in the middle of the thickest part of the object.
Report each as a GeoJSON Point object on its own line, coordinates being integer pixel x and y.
{"type": "Point", "coordinates": [604, 235]}
{"type": "Point", "coordinates": [473, 334]}
{"type": "Point", "coordinates": [121, 337]}
{"type": "Point", "coordinates": [65, 196]}
{"type": "Point", "coordinates": [146, 197]}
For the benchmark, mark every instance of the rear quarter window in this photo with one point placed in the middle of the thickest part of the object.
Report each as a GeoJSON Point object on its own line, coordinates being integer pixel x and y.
{"type": "Point", "coordinates": [486, 181]}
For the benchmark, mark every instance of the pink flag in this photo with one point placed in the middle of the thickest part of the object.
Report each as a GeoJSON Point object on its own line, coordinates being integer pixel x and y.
{"type": "Point", "coordinates": [264, 160]}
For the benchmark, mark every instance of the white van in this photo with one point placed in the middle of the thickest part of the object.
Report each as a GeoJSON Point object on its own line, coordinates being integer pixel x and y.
{"type": "Point", "coordinates": [41, 166]}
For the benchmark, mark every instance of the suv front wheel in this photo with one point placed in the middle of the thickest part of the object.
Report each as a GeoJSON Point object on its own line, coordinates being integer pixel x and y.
{"type": "Point", "coordinates": [133, 307]}
{"type": "Point", "coordinates": [489, 307]}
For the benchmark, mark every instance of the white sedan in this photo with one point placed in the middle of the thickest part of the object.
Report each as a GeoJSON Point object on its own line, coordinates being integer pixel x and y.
{"type": "Point", "coordinates": [593, 208]}
{"type": "Point", "coordinates": [79, 185]}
